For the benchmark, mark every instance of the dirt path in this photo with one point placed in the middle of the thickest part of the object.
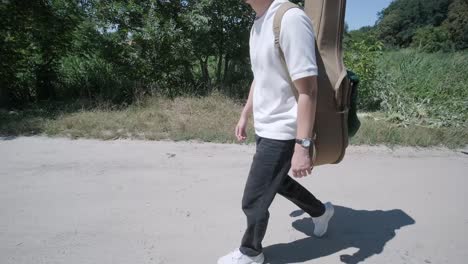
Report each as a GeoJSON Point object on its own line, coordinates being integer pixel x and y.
{"type": "Point", "coordinates": [132, 202]}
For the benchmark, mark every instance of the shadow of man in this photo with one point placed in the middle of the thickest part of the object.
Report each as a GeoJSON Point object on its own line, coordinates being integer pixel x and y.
{"type": "Point", "coordinates": [368, 231]}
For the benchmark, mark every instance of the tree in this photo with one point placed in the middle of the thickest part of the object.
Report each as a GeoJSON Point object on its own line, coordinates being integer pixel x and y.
{"type": "Point", "coordinates": [35, 35]}
{"type": "Point", "coordinates": [399, 22]}
{"type": "Point", "coordinates": [220, 30]}
{"type": "Point", "coordinates": [457, 24]}
{"type": "Point", "coordinates": [115, 49]}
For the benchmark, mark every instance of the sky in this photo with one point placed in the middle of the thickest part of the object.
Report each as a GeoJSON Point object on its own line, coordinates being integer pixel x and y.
{"type": "Point", "coordinates": [361, 13]}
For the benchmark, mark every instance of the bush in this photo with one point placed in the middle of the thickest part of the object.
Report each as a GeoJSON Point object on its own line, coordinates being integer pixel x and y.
{"type": "Point", "coordinates": [360, 57]}
{"type": "Point", "coordinates": [432, 39]}
{"type": "Point", "coordinates": [93, 77]}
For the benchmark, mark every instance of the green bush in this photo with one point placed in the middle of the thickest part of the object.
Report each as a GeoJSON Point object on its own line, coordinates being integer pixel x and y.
{"type": "Point", "coordinates": [92, 77]}
{"type": "Point", "coordinates": [432, 39]}
{"type": "Point", "coordinates": [360, 57]}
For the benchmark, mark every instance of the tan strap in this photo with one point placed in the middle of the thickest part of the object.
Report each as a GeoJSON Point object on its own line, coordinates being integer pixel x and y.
{"type": "Point", "coordinates": [278, 18]}
{"type": "Point", "coordinates": [276, 31]}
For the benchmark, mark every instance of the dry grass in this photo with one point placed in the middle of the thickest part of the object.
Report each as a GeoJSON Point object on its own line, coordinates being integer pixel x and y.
{"type": "Point", "coordinates": [210, 119]}
{"type": "Point", "coordinates": [379, 131]}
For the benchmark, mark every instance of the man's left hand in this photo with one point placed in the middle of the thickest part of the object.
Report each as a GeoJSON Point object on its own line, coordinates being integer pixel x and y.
{"type": "Point", "coordinates": [301, 164]}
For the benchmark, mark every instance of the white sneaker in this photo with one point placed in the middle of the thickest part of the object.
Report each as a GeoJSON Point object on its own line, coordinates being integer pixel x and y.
{"type": "Point", "coordinates": [321, 222]}
{"type": "Point", "coordinates": [236, 257]}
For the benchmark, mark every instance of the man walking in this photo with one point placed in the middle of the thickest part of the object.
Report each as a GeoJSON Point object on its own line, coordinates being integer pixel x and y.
{"type": "Point", "coordinates": [283, 127]}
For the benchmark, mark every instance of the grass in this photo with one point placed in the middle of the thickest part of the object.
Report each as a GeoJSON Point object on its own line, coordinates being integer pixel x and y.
{"type": "Point", "coordinates": [380, 131]}
{"type": "Point", "coordinates": [209, 119]}
{"type": "Point", "coordinates": [421, 88]}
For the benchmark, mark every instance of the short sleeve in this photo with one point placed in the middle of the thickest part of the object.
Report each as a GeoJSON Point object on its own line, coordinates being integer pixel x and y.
{"type": "Point", "coordinates": [297, 42]}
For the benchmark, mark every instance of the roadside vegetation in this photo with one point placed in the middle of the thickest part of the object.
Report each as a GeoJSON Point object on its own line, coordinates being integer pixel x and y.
{"type": "Point", "coordinates": [180, 70]}
{"type": "Point", "coordinates": [209, 119]}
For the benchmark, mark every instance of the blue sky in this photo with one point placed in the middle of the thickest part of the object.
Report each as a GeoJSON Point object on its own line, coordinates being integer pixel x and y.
{"type": "Point", "coordinates": [361, 13]}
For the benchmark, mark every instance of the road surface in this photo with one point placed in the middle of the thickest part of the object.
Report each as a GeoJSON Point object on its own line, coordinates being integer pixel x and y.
{"type": "Point", "coordinates": [131, 202]}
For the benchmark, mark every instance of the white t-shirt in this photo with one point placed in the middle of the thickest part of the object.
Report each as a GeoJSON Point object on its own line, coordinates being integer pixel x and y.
{"type": "Point", "coordinates": [274, 104]}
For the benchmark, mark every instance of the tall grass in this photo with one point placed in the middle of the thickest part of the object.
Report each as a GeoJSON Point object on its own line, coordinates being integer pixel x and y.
{"type": "Point", "coordinates": [425, 89]}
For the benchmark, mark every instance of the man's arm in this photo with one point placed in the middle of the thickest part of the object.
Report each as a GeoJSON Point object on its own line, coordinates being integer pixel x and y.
{"type": "Point", "coordinates": [296, 39]}
{"type": "Point", "coordinates": [241, 128]}
{"type": "Point", "coordinates": [306, 109]}
{"type": "Point", "coordinates": [306, 106]}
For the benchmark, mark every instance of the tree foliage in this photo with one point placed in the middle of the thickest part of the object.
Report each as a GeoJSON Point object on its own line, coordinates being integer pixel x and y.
{"type": "Point", "coordinates": [118, 49]}
{"type": "Point", "coordinates": [457, 24]}
{"type": "Point", "coordinates": [430, 25]}
{"type": "Point", "coordinates": [34, 36]}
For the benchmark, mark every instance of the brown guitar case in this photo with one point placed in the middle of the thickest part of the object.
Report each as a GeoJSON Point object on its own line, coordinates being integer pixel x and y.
{"type": "Point", "coordinates": [334, 86]}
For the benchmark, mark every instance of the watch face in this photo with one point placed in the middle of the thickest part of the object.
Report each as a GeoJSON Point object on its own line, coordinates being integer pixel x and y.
{"type": "Point", "coordinates": [306, 143]}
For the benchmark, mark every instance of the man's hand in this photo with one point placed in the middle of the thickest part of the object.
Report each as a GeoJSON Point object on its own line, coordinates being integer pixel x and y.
{"type": "Point", "coordinates": [241, 129]}
{"type": "Point", "coordinates": [301, 163]}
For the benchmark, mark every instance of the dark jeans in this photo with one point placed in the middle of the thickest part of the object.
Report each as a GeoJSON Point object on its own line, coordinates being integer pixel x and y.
{"type": "Point", "coordinates": [269, 175]}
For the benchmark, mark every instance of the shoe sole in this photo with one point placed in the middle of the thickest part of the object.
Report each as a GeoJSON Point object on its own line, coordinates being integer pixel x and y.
{"type": "Point", "coordinates": [260, 261]}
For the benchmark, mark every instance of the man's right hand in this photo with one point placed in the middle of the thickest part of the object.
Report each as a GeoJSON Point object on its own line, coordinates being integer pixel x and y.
{"type": "Point", "coordinates": [241, 129]}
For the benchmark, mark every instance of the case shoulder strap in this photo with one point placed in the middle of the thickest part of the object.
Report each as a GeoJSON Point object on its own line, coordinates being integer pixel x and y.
{"type": "Point", "coordinates": [277, 30]}
{"type": "Point", "coordinates": [278, 18]}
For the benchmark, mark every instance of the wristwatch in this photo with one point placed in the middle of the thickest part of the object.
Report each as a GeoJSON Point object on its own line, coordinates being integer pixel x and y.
{"type": "Point", "coordinates": [305, 143]}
